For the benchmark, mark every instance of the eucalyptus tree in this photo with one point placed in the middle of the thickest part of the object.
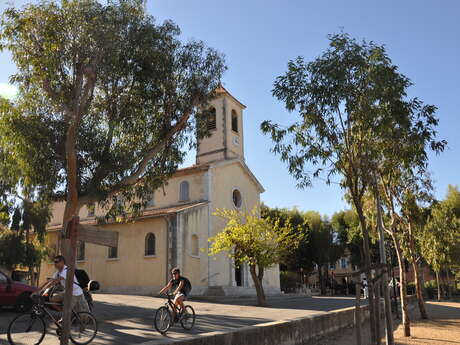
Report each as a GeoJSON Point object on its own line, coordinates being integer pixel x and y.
{"type": "Point", "coordinates": [341, 99]}
{"type": "Point", "coordinates": [300, 257]}
{"type": "Point", "coordinates": [402, 201]}
{"type": "Point", "coordinates": [403, 181]}
{"type": "Point", "coordinates": [106, 103]}
{"type": "Point", "coordinates": [440, 239]}
{"type": "Point", "coordinates": [347, 102]}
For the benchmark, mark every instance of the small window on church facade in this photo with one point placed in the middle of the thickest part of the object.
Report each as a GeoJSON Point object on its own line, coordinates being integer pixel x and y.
{"type": "Point", "coordinates": [184, 191]}
{"type": "Point", "coordinates": [113, 253]}
{"type": "Point", "coordinates": [212, 123]}
{"type": "Point", "coordinates": [234, 121]}
{"type": "Point", "coordinates": [195, 246]}
{"type": "Point", "coordinates": [150, 242]}
{"type": "Point", "coordinates": [237, 198]}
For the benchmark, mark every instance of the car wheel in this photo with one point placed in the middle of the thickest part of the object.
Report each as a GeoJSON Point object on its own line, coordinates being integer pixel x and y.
{"type": "Point", "coordinates": [23, 303]}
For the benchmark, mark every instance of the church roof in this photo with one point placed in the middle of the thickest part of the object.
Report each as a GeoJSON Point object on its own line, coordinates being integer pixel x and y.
{"type": "Point", "coordinates": [152, 213]}
{"type": "Point", "coordinates": [223, 91]}
{"type": "Point", "coordinates": [159, 212]}
{"type": "Point", "coordinates": [191, 169]}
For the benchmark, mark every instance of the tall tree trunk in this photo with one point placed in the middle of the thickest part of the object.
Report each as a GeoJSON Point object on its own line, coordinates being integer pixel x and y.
{"type": "Point", "coordinates": [322, 285]}
{"type": "Point", "coordinates": [39, 271]}
{"type": "Point", "coordinates": [377, 313]}
{"type": "Point", "coordinates": [449, 291]}
{"type": "Point", "coordinates": [438, 286]}
{"type": "Point", "coordinates": [384, 285]}
{"type": "Point", "coordinates": [258, 278]}
{"type": "Point", "coordinates": [418, 287]}
{"type": "Point", "coordinates": [70, 213]}
{"type": "Point", "coordinates": [402, 288]}
{"type": "Point", "coordinates": [31, 275]}
{"type": "Point", "coordinates": [419, 290]}
{"type": "Point", "coordinates": [358, 313]}
{"type": "Point", "coordinates": [373, 319]}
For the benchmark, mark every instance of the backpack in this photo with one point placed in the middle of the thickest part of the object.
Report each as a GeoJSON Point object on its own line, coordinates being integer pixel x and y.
{"type": "Point", "coordinates": [187, 286]}
{"type": "Point", "coordinates": [82, 278]}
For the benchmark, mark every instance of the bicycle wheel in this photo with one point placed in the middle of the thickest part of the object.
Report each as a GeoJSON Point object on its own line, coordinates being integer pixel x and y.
{"type": "Point", "coordinates": [163, 320]}
{"type": "Point", "coordinates": [26, 329]}
{"type": "Point", "coordinates": [83, 328]}
{"type": "Point", "coordinates": [187, 319]}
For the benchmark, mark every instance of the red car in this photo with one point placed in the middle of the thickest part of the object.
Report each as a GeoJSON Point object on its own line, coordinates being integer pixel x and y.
{"type": "Point", "coordinates": [15, 294]}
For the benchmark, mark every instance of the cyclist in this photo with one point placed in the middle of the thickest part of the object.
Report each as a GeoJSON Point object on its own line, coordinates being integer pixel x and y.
{"type": "Point", "coordinates": [180, 286]}
{"type": "Point", "coordinates": [78, 301]}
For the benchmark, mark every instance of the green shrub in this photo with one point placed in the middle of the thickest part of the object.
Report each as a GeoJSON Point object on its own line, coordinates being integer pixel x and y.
{"type": "Point", "coordinates": [289, 281]}
{"type": "Point", "coordinates": [431, 288]}
{"type": "Point", "coordinates": [410, 288]}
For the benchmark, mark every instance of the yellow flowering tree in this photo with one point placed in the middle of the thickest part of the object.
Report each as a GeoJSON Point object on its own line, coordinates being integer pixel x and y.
{"type": "Point", "coordinates": [259, 242]}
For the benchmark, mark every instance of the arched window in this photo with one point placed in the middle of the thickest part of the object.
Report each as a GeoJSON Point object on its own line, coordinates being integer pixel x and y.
{"type": "Point", "coordinates": [234, 121]}
{"type": "Point", "coordinates": [194, 246]}
{"type": "Point", "coordinates": [80, 251]}
{"type": "Point", "coordinates": [237, 200]}
{"type": "Point", "coordinates": [184, 191]}
{"type": "Point", "coordinates": [150, 244]}
{"type": "Point", "coordinates": [211, 123]}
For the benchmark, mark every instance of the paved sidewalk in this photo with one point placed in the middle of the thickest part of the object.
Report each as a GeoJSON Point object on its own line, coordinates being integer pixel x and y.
{"type": "Point", "coordinates": [129, 319]}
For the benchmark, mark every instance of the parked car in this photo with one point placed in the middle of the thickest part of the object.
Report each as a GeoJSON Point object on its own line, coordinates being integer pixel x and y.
{"type": "Point", "coordinates": [15, 294]}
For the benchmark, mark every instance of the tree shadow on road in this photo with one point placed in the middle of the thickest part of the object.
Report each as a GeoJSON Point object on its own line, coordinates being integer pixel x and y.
{"type": "Point", "coordinates": [119, 324]}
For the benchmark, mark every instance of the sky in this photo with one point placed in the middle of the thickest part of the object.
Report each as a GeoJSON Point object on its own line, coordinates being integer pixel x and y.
{"type": "Point", "coordinates": [259, 37]}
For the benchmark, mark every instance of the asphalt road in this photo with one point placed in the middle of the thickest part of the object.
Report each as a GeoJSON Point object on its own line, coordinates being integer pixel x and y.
{"type": "Point", "coordinates": [129, 319]}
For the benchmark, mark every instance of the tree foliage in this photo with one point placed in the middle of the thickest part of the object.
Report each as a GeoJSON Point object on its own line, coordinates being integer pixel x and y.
{"type": "Point", "coordinates": [15, 251]}
{"type": "Point", "coordinates": [440, 236]}
{"type": "Point", "coordinates": [300, 256]}
{"type": "Point", "coordinates": [125, 87]}
{"type": "Point", "coordinates": [105, 105]}
{"type": "Point", "coordinates": [352, 113]}
{"type": "Point", "coordinates": [258, 242]}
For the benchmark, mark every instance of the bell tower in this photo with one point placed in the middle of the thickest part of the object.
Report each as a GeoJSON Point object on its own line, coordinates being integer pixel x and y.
{"type": "Point", "coordinates": [226, 130]}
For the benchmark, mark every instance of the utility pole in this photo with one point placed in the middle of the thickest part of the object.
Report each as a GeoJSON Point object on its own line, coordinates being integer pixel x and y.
{"type": "Point", "coordinates": [383, 260]}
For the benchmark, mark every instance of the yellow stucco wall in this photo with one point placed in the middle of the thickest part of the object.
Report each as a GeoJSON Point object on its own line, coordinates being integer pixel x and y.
{"type": "Point", "coordinates": [225, 178]}
{"type": "Point", "coordinates": [195, 267]}
{"type": "Point", "coordinates": [163, 197]}
{"type": "Point", "coordinates": [132, 271]}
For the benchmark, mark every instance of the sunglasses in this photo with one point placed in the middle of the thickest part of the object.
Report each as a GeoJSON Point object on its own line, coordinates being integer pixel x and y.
{"type": "Point", "coordinates": [56, 262]}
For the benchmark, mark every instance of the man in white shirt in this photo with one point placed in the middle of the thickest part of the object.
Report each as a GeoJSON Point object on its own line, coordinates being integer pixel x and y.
{"type": "Point", "coordinates": [78, 300]}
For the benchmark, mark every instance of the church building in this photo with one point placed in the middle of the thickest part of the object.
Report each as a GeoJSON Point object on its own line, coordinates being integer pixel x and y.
{"type": "Point", "coordinates": [174, 228]}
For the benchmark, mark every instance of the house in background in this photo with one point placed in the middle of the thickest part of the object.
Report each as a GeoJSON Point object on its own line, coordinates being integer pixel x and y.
{"type": "Point", "coordinates": [174, 229]}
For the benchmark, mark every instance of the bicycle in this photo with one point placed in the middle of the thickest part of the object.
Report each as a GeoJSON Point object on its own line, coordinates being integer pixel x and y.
{"type": "Point", "coordinates": [30, 328]}
{"type": "Point", "coordinates": [164, 319]}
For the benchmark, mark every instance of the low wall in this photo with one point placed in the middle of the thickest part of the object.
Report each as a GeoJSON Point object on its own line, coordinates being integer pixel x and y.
{"type": "Point", "coordinates": [290, 332]}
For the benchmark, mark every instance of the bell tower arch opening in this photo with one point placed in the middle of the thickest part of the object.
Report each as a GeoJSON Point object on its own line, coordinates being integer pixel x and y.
{"type": "Point", "coordinates": [225, 126]}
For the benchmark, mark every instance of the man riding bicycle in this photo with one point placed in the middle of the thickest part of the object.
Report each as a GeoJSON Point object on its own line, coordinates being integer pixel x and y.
{"type": "Point", "coordinates": [78, 301]}
{"type": "Point", "coordinates": [181, 288]}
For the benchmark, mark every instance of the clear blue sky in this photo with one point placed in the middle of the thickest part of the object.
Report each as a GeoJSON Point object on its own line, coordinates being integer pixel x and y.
{"type": "Point", "coordinates": [258, 37]}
